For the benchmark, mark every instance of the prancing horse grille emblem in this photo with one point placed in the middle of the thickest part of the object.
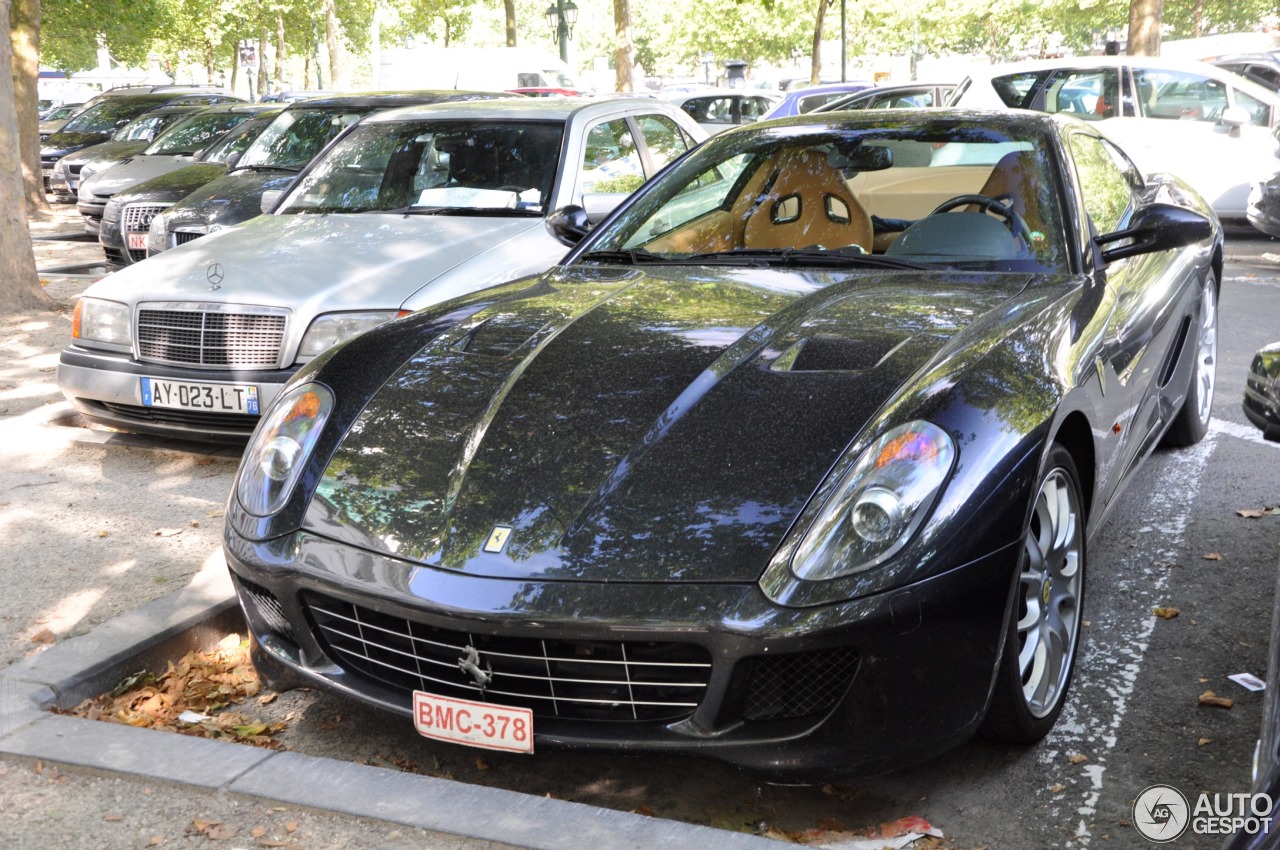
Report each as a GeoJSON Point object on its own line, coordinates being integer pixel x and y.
{"type": "Point", "coordinates": [497, 538]}
{"type": "Point", "coordinates": [214, 274]}
{"type": "Point", "coordinates": [470, 663]}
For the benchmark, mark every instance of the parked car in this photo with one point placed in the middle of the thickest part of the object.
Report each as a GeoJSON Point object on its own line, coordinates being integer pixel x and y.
{"type": "Point", "coordinates": [803, 100]}
{"type": "Point", "coordinates": [1262, 68]}
{"type": "Point", "coordinates": [725, 482]}
{"type": "Point", "coordinates": [406, 209]}
{"type": "Point", "coordinates": [294, 95]}
{"type": "Point", "coordinates": [274, 159]}
{"type": "Point", "coordinates": [56, 118]}
{"type": "Point", "coordinates": [126, 219]}
{"type": "Point", "coordinates": [720, 109]}
{"type": "Point", "coordinates": [1210, 127]}
{"type": "Point", "coordinates": [907, 96]}
{"type": "Point", "coordinates": [100, 122]}
{"type": "Point", "coordinates": [175, 147]}
{"type": "Point", "coordinates": [1262, 392]}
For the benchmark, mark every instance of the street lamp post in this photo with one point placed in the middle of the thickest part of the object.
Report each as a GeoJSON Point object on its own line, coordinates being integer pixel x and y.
{"type": "Point", "coordinates": [561, 17]}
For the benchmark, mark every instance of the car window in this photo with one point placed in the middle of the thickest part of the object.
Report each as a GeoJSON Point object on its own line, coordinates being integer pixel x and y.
{"type": "Point", "coordinates": [710, 110]}
{"type": "Point", "coordinates": [813, 101]}
{"type": "Point", "coordinates": [1090, 94]}
{"type": "Point", "coordinates": [1013, 89]}
{"type": "Point", "coordinates": [662, 137]}
{"type": "Point", "coordinates": [146, 127]}
{"type": "Point", "coordinates": [297, 135]}
{"type": "Point", "coordinates": [1106, 181]}
{"type": "Point", "coordinates": [194, 133]}
{"type": "Point", "coordinates": [1179, 95]}
{"type": "Point", "coordinates": [1259, 112]}
{"type": "Point", "coordinates": [888, 189]}
{"type": "Point", "coordinates": [754, 108]}
{"type": "Point", "coordinates": [611, 162]}
{"type": "Point", "coordinates": [106, 116]}
{"type": "Point", "coordinates": [234, 141]}
{"type": "Point", "coordinates": [501, 167]}
{"type": "Point", "coordinates": [1264, 74]}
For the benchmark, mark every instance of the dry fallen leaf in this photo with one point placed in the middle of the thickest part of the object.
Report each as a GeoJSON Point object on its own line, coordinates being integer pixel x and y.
{"type": "Point", "coordinates": [45, 636]}
{"type": "Point", "coordinates": [156, 841]}
{"type": "Point", "coordinates": [481, 764]}
{"type": "Point", "coordinates": [195, 523]}
{"type": "Point", "coordinates": [1210, 698]}
{"type": "Point", "coordinates": [216, 513]}
{"type": "Point", "coordinates": [1077, 758]}
{"type": "Point", "coordinates": [168, 532]}
{"type": "Point", "coordinates": [103, 533]}
{"type": "Point", "coordinates": [113, 817]}
{"type": "Point", "coordinates": [267, 699]}
{"type": "Point", "coordinates": [1213, 556]}
{"type": "Point", "coordinates": [1250, 513]}
{"type": "Point", "coordinates": [1204, 741]}
{"type": "Point", "coordinates": [644, 810]}
{"type": "Point", "coordinates": [258, 831]}
{"type": "Point", "coordinates": [1165, 613]}
{"type": "Point", "coordinates": [1057, 789]}
{"type": "Point", "coordinates": [291, 826]}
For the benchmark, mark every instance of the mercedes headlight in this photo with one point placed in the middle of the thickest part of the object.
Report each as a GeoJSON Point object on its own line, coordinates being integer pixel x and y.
{"type": "Point", "coordinates": [329, 330]}
{"type": "Point", "coordinates": [879, 503]}
{"type": "Point", "coordinates": [278, 452]}
{"type": "Point", "coordinates": [101, 321]}
{"type": "Point", "coordinates": [158, 234]}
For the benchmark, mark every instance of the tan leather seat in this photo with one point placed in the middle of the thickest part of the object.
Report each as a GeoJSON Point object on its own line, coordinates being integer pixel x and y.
{"type": "Point", "coordinates": [802, 202]}
{"type": "Point", "coordinates": [1010, 181]}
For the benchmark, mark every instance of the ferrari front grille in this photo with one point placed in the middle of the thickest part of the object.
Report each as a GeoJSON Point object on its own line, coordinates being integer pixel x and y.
{"type": "Point", "coordinates": [579, 679]}
{"type": "Point", "coordinates": [211, 338]}
{"type": "Point", "coordinates": [798, 684]}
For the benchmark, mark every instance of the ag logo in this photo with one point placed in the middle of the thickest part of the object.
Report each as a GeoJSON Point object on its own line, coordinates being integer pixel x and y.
{"type": "Point", "coordinates": [1161, 814]}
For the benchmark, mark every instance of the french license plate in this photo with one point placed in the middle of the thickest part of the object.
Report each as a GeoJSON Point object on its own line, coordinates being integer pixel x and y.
{"type": "Point", "coordinates": [477, 724]}
{"type": "Point", "coordinates": [137, 241]}
{"type": "Point", "coordinates": [191, 395]}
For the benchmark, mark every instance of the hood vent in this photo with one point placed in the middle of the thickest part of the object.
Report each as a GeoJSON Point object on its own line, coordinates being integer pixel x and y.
{"type": "Point", "coordinates": [840, 353]}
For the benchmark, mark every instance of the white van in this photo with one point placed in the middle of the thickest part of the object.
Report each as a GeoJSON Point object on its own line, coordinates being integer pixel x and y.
{"type": "Point", "coordinates": [475, 68]}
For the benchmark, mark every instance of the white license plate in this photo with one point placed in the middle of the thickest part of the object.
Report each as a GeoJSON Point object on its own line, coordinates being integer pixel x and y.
{"type": "Point", "coordinates": [192, 395]}
{"type": "Point", "coordinates": [137, 241]}
{"type": "Point", "coordinates": [477, 724]}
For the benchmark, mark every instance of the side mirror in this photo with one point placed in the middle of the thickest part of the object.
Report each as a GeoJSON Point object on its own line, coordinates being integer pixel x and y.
{"type": "Point", "coordinates": [232, 159]}
{"type": "Point", "coordinates": [269, 199]}
{"type": "Point", "coordinates": [1159, 227]}
{"type": "Point", "coordinates": [1235, 116]}
{"type": "Point", "coordinates": [569, 225]}
{"type": "Point", "coordinates": [600, 204]}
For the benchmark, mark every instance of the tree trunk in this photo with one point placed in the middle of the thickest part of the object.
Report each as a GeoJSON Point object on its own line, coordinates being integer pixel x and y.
{"type": "Point", "coordinates": [280, 51]}
{"type": "Point", "coordinates": [331, 44]}
{"type": "Point", "coordinates": [509, 6]}
{"type": "Point", "coordinates": [19, 284]}
{"type": "Point", "coordinates": [262, 63]}
{"type": "Point", "coordinates": [623, 56]}
{"type": "Point", "coordinates": [1145, 17]}
{"type": "Point", "coordinates": [1197, 18]}
{"type": "Point", "coordinates": [815, 69]}
{"type": "Point", "coordinates": [24, 20]}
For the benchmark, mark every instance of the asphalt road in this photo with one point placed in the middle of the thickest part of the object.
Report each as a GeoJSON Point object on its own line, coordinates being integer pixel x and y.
{"type": "Point", "coordinates": [1134, 717]}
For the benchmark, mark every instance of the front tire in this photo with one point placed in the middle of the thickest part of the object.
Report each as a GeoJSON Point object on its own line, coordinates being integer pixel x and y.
{"type": "Point", "coordinates": [1192, 421]}
{"type": "Point", "coordinates": [1044, 620]}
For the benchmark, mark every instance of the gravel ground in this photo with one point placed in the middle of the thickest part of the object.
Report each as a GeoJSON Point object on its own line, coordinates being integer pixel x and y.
{"type": "Point", "coordinates": [89, 532]}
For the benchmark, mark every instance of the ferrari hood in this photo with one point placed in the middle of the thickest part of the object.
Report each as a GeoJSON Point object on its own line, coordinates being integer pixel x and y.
{"type": "Point", "coordinates": [608, 425]}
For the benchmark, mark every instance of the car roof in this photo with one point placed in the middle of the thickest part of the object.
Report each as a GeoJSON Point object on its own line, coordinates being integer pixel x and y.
{"type": "Point", "coordinates": [525, 108]}
{"type": "Point", "coordinates": [391, 99]}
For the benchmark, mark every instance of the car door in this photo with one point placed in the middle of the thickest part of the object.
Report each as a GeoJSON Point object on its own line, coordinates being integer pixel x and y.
{"type": "Point", "coordinates": [1145, 311]}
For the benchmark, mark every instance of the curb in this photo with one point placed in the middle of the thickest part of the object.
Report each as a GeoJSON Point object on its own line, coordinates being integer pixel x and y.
{"type": "Point", "coordinates": [196, 616]}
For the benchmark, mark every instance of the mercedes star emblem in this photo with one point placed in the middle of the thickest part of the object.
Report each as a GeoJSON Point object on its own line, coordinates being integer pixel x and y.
{"type": "Point", "coordinates": [214, 274]}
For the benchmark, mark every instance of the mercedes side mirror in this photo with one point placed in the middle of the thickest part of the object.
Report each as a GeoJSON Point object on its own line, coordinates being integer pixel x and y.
{"type": "Point", "coordinates": [569, 224]}
{"type": "Point", "coordinates": [269, 199]}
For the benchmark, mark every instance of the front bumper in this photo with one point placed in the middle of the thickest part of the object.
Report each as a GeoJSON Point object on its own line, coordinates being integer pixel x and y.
{"type": "Point", "coordinates": [1262, 392]}
{"type": "Point", "coordinates": [1263, 211]}
{"type": "Point", "coordinates": [856, 688]}
{"type": "Point", "coordinates": [107, 388]}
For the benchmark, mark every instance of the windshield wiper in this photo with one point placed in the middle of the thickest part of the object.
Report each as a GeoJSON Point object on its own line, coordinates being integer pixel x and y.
{"type": "Point", "coordinates": [473, 211]}
{"type": "Point", "coordinates": [626, 256]}
{"type": "Point", "coordinates": [289, 168]}
{"type": "Point", "coordinates": [801, 257]}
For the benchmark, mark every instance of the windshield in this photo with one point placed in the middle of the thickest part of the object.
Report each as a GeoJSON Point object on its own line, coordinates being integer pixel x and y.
{"type": "Point", "coordinates": [296, 136]}
{"type": "Point", "coordinates": [235, 140]}
{"type": "Point", "coordinates": [194, 133]}
{"type": "Point", "coordinates": [144, 128]}
{"type": "Point", "coordinates": [104, 117]}
{"type": "Point", "coordinates": [945, 192]}
{"type": "Point", "coordinates": [477, 166]}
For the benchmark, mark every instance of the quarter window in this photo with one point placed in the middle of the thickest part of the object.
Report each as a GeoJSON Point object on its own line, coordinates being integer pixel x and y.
{"type": "Point", "coordinates": [662, 137]}
{"type": "Point", "coordinates": [611, 163]}
{"type": "Point", "coordinates": [1106, 181]}
{"type": "Point", "coordinates": [1178, 95]}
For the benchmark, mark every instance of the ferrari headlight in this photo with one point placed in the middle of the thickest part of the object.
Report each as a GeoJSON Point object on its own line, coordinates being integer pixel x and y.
{"type": "Point", "coordinates": [329, 330]}
{"type": "Point", "coordinates": [158, 234]}
{"type": "Point", "coordinates": [96, 320]}
{"type": "Point", "coordinates": [278, 452]}
{"type": "Point", "coordinates": [879, 505]}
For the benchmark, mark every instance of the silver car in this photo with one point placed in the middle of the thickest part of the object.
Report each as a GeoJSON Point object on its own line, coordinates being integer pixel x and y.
{"type": "Point", "coordinates": [406, 209]}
